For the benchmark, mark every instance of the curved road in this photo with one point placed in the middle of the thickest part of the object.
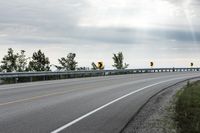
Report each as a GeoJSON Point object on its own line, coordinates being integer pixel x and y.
{"type": "Point", "coordinates": [87, 105]}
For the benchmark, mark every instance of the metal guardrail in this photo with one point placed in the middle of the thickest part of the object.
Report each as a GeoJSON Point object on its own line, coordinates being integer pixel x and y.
{"type": "Point", "coordinates": [76, 74]}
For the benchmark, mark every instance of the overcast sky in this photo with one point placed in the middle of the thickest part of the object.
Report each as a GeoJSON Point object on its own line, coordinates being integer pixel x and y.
{"type": "Point", "coordinates": [164, 31]}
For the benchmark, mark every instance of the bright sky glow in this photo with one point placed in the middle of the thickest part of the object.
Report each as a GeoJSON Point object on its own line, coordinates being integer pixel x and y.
{"type": "Point", "coordinates": [129, 13]}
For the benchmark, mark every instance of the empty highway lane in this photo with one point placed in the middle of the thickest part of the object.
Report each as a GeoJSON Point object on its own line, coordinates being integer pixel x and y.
{"type": "Point", "coordinates": [85, 105]}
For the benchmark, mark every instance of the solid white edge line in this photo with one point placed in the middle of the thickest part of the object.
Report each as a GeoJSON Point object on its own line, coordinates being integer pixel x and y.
{"type": "Point", "coordinates": [104, 106]}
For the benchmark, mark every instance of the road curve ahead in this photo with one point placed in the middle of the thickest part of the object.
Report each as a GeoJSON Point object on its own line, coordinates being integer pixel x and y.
{"type": "Point", "coordinates": [86, 105]}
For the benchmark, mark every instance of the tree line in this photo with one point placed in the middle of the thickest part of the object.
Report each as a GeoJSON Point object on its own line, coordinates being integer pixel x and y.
{"type": "Point", "coordinates": [19, 62]}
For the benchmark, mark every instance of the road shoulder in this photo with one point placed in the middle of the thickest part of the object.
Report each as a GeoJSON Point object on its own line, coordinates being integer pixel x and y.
{"type": "Point", "coordinates": [157, 115]}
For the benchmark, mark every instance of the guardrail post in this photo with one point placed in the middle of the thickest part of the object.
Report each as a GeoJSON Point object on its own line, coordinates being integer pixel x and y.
{"type": "Point", "coordinates": [16, 79]}
{"type": "Point", "coordinates": [31, 79]}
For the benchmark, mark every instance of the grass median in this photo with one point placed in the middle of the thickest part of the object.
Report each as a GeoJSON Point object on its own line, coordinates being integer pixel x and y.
{"type": "Point", "coordinates": [188, 108]}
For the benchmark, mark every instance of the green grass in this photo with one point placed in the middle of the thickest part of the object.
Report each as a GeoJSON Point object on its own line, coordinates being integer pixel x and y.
{"type": "Point", "coordinates": [188, 108]}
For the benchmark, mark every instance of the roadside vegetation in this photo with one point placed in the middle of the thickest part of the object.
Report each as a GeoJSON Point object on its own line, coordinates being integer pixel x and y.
{"type": "Point", "coordinates": [118, 61]}
{"type": "Point", "coordinates": [18, 62]}
{"type": "Point", "coordinates": [188, 108]}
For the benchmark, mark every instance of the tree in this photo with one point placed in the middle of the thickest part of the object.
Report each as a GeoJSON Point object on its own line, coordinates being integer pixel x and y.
{"type": "Point", "coordinates": [94, 66]}
{"type": "Point", "coordinates": [9, 61]}
{"type": "Point", "coordinates": [22, 62]}
{"type": "Point", "coordinates": [39, 62]}
{"type": "Point", "coordinates": [67, 63]}
{"type": "Point", "coordinates": [0, 69]}
{"type": "Point", "coordinates": [83, 68]}
{"type": "Point", "coordinates": [118, 61]}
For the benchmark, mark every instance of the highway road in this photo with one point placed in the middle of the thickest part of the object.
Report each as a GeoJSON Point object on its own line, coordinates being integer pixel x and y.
{"type": "Point", "coordinates": [84, 105]}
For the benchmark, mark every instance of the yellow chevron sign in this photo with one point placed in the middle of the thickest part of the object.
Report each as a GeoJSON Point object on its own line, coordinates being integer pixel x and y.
{"type": "Point", "coordinates": [100, 65]}
{"type": "Point", "coordinates": [191, 64]}
{"type": "Point", "coordinates": [151, 64]}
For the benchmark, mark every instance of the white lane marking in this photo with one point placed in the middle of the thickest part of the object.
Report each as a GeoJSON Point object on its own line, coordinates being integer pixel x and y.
{"type": "Point", "coordinates": [63, 92]}
{"type": "Point", "coordinates": [116, 100]}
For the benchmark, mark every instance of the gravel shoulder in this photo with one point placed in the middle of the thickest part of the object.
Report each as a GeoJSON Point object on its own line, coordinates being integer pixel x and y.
{"type": "Point", "coordinates": [157, 115]}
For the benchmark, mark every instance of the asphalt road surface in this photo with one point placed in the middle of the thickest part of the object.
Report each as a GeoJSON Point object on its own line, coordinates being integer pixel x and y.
{"type": "Point", "coordinates": [85, 105]}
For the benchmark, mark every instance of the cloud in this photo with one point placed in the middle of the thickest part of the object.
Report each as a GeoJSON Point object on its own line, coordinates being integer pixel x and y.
{"type": "Point", "coordinates": [87, 21]}
{"type": "Point", "coordinates": [118, 35]}
{"type": "Point", "coordinates": [168, 26]}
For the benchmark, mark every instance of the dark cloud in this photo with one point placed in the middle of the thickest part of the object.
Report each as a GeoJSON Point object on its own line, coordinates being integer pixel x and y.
{"type": "Point", "coordinates": [80, 35]}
